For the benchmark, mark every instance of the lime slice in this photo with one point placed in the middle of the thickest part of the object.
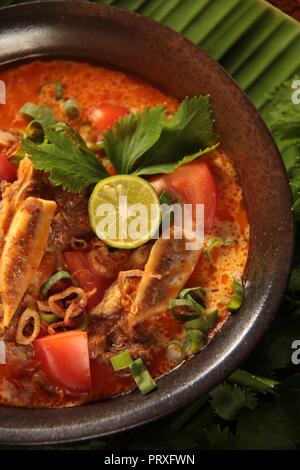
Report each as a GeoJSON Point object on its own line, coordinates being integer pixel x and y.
{"type": "Point", "coordinates": [124, 211]}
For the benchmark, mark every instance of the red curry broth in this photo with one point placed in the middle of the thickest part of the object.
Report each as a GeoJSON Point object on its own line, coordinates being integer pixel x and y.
{"type": "Point", "coordinates": [91, 85]}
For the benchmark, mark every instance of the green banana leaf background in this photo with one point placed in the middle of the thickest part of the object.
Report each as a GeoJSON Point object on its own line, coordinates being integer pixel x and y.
{"type": "Point", "coordinates": [258, 406]}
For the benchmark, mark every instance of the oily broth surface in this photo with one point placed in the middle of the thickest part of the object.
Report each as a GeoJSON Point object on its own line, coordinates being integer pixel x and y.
{"type": "Point", "coordinates": [91, 85]}
{"type": "Point", "coordinates": [87, 84]}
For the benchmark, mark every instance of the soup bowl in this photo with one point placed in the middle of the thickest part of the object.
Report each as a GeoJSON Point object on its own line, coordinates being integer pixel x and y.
{"type": "Point", "coordinates": [117, 38]}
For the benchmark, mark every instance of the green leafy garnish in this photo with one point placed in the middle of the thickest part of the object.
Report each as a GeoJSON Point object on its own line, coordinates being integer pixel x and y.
{"type": "Point", "coordinates": [121, 361]}
{"type": "Point", "coordinates": [53, 280]}
{"type": "Point", "coordinates": [193, 341]}
{"type": "Point", "coordinates": [142, 377]}
{"type": "Point", "coordinates": [237, 297]}
{"type": "Point", "coordinates": [229, 400]}
{"type": "Point", "coordinates": [138, 369]}
{"type": "Point", "coordinates": [218, 241]}
{"type": "Point", "coordinates": [192, 298]}
{"type": "Point", "coordinates": [34, 112]}
{"type": "Point", "coordinates": [205, 322]}
{"type": "Point", "coordinates": [148, 142]}
{"type": "Point", "coordinates": [255, 382]}
{"type": "Point", "coordinates": [142, 143]}
{"type": "Point", "coordinates": [66, 158]}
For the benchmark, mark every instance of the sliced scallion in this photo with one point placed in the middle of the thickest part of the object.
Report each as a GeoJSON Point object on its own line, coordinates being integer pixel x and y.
{"type": "Point", "coordinates": [142, 377]}
{"type": "Point", "coordinates": [185, 315]}
{"type": "Point", "coordinates": [192, 298]}
{"type": "Point", "coordinates": [35, 132]}
{"type": "Point", "coordinates": [72, 109]}
{"type": "Point", "coordinates": [53, 280]}
{"type": "Point", "coordinates": [49, 317]}
{"type": "Point", "coordinates": [238, 296]}
{"type": "Point", "coordinates": [121, 361]}
{"type": "Point", "coordinates": [174, 351]}
{"type": "Point", "coordinates": [218, 241]}
{"type": "Point", "coordinates": [58, 91]}
{"type": "Point", "coordinates": [84, 325]}
{"type": "Point", "coordinates": [199, 292]}
{"type": "Point", "coordinates": [204, 322]}
{"type": "Point", "coordinates": [193, 341]}
{"type": "Point", "coordinates": [179, 303]}
{"type": "Point", "coordinates": [38, 113]}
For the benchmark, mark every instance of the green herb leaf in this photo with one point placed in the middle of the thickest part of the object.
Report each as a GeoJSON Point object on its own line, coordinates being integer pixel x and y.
{"type": "Point", "coordinates": [132, 136]}
{"type": "Point", "coordinates": [66, 158]}
{"type": "Point", "coordinates": [228, 400]}
{"type": "Point", "coordinates": [149, 142]}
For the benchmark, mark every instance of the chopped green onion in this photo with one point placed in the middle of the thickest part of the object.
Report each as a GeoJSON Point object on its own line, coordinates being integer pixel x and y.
{"type": "Point", "coordinates": [142, 377]}
{"type": "Point", "coordinates": [204, 322]}
{"type": "Point", "coordinates": [72, 109]}
{"type": "Point", "coordinates": [217, 242]}
{"type": "Point", "coordinates": [38, 113]}
{"type": "Point", "coordinates": [35, 132]}
{"type": "Point", "coordinates": [238, 296]}
{"type": "Point", "coordinates": [121, 361]}
{"type": "Point", "coordinates": [174, 351]}
{"type": "Point", "coordinates": [84, 325]}
{"type": "Point", "coordinates": [49, 317]}
{"type": "Point", "coordinates": [196, 296]}
{"type": "Point", "coordinates": [185, 315]}
{"type": "Point", "coordinates": [165, 198]}
{"type": "Point", "coordinates": [179, 303]}
{"type": "Point", "coordinates": [58, 91]}
{"type": "Point", "coordinates": [193, 341]}
{"type": "Point", "coordinates": [53, 280]}
{"type": "Point", "coordinates": [186, 300]}
{"type": "Point", "coordinates": [200, 292]}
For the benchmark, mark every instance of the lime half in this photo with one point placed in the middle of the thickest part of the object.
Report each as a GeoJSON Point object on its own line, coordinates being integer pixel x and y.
{"type": "Point", "coordinates": [124, 211]}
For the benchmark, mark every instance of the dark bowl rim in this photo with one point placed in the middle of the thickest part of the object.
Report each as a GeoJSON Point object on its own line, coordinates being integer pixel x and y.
{"type": "Point", "coordinates": [252, 335]}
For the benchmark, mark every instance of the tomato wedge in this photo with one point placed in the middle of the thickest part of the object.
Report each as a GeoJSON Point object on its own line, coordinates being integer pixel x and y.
{"type": "Point", "coordinates": [104, 116]}
{"type": "Point", "coordinates": [194, 184]}
{"type": "Point", "coordinates": [65, 359]}
{"type": "Point", "coordinates": [7, 170]}
{"type": "Point", "coordinates": [80, 269]}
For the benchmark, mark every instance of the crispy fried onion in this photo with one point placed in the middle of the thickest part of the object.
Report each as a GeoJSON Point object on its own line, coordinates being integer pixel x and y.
{"type": "Point", "coordinates": [78, 244]}
{"type": "Point", "coordinates": [29, 326]}
{"type": "Point", "coordinates": [104, 262]}
{"type": "Point", "coordinates": [123, 286]}
{"type": "Point", "coordinates": [67, 305]}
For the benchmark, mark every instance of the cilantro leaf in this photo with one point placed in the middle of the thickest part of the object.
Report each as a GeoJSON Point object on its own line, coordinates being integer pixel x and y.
{"type": "Point", "coordinates": [221, 439]}
{"type": "Point", "coordinates": [265, 428]}
{"type": "Point", "coordinates": [66, 158]}
{"type": "Point", "coordinates": [132, 136]}
{"type": "Point", "coordinates": [228, 400]}
{"type": "Point", "coordinates": [149, 142]}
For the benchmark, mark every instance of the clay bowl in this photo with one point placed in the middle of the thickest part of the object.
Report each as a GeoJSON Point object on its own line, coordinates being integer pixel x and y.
{"type": "Point", "coordinates": [128, 41]}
